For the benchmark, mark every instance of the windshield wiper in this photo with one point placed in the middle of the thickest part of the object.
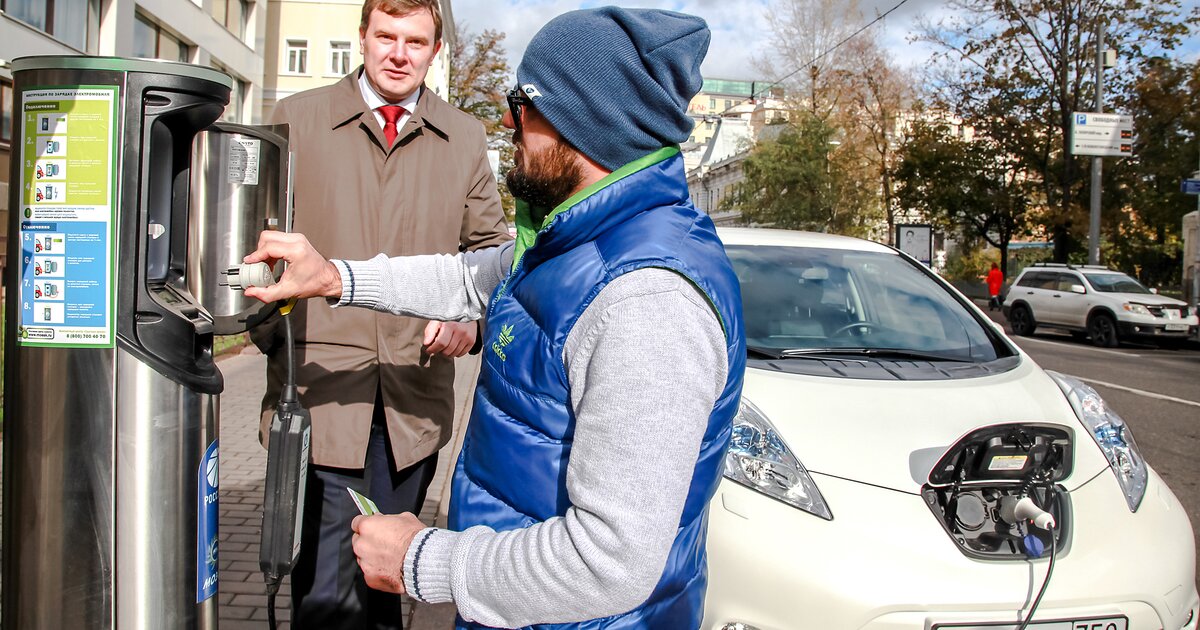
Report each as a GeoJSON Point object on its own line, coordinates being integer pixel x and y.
{"type": "Point", "coordinates": [879, 353]}
{"type": "Point", "coordinates": [759, 352]}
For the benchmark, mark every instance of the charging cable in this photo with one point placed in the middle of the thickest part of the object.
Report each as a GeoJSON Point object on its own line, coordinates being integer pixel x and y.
{"type": "Point", "coordinates": [287, 455]}
{"type": "Point", "coordinates": [1023, 510]}
{"type": "Point", "coordinates": [1046, 582]}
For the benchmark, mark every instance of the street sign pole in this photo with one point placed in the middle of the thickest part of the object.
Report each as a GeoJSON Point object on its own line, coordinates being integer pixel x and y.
{"type": "Point", "coordinates": [1196, 259]}
{"type": "Point", "coordinates": [1097, 161]}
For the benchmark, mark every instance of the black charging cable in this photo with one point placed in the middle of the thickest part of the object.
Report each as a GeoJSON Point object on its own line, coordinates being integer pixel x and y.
{"type": "Point", "coordinates": [1049, 568]}
{"type": "Point", "coordinates": [289, 403]}
{"type": "Point", "coordinates": [287, 453]}
{"type": "Point", "coordinates": [1045, 583]}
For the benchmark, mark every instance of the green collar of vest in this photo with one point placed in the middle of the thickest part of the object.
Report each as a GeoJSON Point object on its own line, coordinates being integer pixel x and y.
{"type": "Point", "coordinates": [527, 233]}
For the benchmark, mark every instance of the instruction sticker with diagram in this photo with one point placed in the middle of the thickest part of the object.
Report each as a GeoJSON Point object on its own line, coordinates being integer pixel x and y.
{"type": "Point", "coordinates": [68, 192]}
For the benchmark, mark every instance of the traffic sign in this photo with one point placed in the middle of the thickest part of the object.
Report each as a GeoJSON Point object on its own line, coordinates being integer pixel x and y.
{"type": "Point", "coordinates": [1190, 186]}
{"type": "Point", "coordinates": [1103, 135]}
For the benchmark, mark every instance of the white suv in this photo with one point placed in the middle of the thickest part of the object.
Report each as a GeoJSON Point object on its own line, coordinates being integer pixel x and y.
{"type": "Point", "coordinates": [1107, 306]}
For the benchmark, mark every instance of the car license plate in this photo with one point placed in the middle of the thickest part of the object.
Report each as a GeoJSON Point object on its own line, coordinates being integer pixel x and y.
{"type": "Point", "coordinates": [1175, 327]}
{"type": "Point", "coordinates": [1104, 623]}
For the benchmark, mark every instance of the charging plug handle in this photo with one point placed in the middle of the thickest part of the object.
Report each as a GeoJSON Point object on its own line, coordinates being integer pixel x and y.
{"type": "Point", "coordinates": [248, 275]}
{"type": "Point", "coordinates": [1014, 511]}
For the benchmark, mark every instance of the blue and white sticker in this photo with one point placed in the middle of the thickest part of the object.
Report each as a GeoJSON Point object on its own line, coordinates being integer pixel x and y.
{"type": "Point", "coordinates": [207, 513]}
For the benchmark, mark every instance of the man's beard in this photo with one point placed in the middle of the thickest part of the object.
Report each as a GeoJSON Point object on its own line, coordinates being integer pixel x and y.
{"type": "Point", "coordinates": [547, 179]}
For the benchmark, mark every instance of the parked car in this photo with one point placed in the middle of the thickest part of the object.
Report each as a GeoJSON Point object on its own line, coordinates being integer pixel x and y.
{"type": "Point", "coordinates": [1105, 305]}
{"type": "Point", "coordinates": [898, 462]}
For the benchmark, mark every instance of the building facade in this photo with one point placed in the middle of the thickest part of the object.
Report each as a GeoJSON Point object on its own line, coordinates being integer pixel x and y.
{"type": "Point", "coordinates": [720, 98]}
{"type": "Point", "coordinates": [312, 43]}
{"type": "Point", "coordinates": [228, 35]}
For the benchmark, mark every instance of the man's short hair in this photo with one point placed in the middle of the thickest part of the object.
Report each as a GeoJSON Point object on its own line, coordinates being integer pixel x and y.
{"type": "Point", "coordinates": [404, 7]}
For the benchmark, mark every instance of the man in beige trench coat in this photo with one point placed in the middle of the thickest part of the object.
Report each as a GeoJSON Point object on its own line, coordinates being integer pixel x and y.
{"type": "Point", "coordinates": [380, 388]}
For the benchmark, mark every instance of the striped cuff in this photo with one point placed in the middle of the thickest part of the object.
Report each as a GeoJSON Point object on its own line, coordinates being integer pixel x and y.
{"type": "Point", "coordinates": [360, 282]}
{"type": "Point", "coordinates": [427, 566]}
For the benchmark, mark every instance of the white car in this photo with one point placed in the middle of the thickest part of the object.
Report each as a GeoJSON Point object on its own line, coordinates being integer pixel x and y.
{"type": "Point", "coordinates": [1105, 305]}
{"type": "Point", "coordinates": [898, 463]}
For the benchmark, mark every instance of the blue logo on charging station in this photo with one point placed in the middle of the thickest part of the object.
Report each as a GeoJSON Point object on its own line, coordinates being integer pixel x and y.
{"type": "Point", "coordinates": [206, 525]}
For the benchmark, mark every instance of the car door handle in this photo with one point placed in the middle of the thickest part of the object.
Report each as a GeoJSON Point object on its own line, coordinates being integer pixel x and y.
{"type": "Point", "coordinates": [1057, 295]}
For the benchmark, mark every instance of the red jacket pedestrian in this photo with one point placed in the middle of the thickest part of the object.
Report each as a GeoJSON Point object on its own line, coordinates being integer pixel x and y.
{"type": "Point", "coordinates": [995, 281]}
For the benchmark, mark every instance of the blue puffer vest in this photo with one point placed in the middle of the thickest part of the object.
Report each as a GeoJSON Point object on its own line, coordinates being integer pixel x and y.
{"type": "Point", "coordinates": [512, 470]}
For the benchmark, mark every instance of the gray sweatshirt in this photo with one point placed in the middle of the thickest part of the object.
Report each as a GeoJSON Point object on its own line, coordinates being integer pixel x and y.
{"type": "Point", "coordinates": [646, 363]}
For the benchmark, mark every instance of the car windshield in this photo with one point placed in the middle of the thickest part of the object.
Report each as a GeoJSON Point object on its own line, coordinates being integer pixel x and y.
{"type": "Point", "coordinates": [806, 302]}
{"type": "Point", "coordinates": [1115, 283]}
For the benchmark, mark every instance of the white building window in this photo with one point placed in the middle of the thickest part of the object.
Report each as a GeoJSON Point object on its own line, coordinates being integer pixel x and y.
{"type": "Point", "coordinates": [339, 58]}
{"type": "Point", "coordinates": [297, 56]}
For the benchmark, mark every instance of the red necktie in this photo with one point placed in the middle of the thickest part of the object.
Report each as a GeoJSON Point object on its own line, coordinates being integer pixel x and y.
{"type": "Point", "coordinates": [391, 113]}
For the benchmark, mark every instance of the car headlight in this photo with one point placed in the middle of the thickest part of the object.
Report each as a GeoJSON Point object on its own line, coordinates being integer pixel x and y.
{"type": "Point", "coordinates": [1136, 309]}
{"type": "Point", "coordinates": [759, 459]}
{"type": "Point", "coordinates": [1111, 434]}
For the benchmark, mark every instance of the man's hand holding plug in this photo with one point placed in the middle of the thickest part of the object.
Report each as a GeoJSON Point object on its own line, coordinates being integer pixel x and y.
{"type": "Point", "coordinates": [308, 273]}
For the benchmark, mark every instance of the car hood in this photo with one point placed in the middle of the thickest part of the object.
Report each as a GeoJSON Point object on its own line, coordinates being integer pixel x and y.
{"type": "Point", "coordinates": [891, 433]}
{"type": "Point", "coordinates": [1150, 299]}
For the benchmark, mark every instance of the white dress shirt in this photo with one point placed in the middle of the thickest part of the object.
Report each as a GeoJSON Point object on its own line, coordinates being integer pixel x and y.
{"type": "Point", "coordinates": [375, 101]}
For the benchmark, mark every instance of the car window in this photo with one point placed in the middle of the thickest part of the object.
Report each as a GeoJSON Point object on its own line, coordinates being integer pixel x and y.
{"type": "Point", "coordinates": [1066, 280]}
{"type": "Point", "coordinates": [1039, 280]}
{"type": "Point", "coordinates": [1115, 283]}
{"type": "Point", "coordinates": [814, 298]}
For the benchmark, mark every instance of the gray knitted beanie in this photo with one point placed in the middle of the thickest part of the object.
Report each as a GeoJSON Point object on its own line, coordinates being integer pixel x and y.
{"type": "Point", "coordinates": [616, 82]}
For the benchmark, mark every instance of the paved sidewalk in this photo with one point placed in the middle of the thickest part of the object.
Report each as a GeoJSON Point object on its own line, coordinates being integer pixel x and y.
{"type": "Point", "coordinates": [242, 595]}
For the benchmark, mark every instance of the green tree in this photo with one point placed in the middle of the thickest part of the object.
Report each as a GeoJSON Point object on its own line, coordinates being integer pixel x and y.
{"type": "Point", "coordinates": [969, 188]}
{"type": "Point", "coordinates": [876, 92]}
{"type": "Point", "coordinates": [837, 72]}
{"type": "Point", "coordinates": [480, 76]}
{"type": "Point", "coordinates": [799, 181]}
{"type": "Point", "coordinates": [1144, 206]}
{"type": "Point", "coordinates": [1027, 65]}
{"type": "Point", "coordinates": [479, 80]}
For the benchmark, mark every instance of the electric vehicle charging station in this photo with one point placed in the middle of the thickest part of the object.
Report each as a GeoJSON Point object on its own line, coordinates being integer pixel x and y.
{"type": "Point", "coordinates": [111, 392]}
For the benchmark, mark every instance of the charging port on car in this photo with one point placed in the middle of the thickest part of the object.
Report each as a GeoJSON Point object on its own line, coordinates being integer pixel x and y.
{"type": "Point", "coordinates": [977, 490]}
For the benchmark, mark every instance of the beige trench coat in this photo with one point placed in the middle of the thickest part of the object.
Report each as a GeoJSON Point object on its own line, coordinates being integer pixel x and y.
{"type": "Point", "coordinates": [433, 192]}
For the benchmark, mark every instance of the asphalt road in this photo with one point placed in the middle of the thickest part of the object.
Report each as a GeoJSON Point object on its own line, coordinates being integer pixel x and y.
{"type": "Point", "coordinates": [1156, 391]}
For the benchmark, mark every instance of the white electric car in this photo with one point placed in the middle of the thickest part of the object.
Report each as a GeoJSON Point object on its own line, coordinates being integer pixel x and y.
{"type": "Point", "coordinates": [898, 463]}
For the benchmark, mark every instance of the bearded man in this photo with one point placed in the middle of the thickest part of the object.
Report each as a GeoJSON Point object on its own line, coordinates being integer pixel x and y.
{"type": "Point", "coordinates": [613, 351]}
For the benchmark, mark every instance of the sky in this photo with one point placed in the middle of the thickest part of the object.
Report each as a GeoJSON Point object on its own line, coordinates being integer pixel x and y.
{"type": "Point", "coordinates": [738, 27]}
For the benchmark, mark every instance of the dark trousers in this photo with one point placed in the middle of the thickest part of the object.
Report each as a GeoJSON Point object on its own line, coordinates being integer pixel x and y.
{"type": "Point", "coordinates": [328, 590]}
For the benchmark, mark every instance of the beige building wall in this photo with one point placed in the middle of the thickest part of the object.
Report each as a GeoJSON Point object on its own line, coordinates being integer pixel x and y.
{"type": "Point", "coordinates": [326, 28]}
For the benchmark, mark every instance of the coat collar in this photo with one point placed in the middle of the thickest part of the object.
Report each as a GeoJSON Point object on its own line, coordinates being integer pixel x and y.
{"type": "Point", "coordinates": [347, 105]}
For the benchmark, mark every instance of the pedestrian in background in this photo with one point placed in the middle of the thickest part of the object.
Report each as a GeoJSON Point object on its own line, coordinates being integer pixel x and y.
{"type": "Point", "coordinates": [995, 282]}
{"type": "Point", "coordinates": [614, 349]}
{"type": "Point", "coordinates": [382, 164]}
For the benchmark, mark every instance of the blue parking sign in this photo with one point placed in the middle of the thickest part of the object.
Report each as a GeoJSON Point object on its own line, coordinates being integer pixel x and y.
{"type": "Point", "coordinates": [1190, 187]}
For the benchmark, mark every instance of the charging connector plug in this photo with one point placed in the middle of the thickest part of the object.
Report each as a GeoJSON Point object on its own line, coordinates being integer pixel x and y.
{"type": "Point", "coordinates": [1015, 511]}
{"type": "Point", "coordinates": [248, 275]}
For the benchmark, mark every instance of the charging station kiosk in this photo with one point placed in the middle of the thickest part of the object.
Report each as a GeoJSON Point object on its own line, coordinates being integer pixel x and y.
{"type": "Point", "coordinates": [127, 202]}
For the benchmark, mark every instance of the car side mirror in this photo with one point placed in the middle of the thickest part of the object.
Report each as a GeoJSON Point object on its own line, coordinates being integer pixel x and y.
{"type": "Point", "coordinates": [1078, 288]}
{"type": "Point", "coordinates": [1154, 291]}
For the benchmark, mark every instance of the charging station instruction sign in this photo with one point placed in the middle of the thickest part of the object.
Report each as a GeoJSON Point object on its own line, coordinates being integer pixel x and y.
{"type": "Point", "coordinates": [67, 196]}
